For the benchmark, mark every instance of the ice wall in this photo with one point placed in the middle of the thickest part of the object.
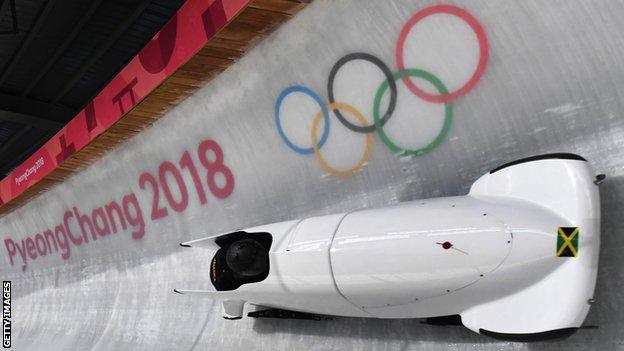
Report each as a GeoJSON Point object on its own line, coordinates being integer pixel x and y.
{"type": "Point", "coordinates": [517, 78]}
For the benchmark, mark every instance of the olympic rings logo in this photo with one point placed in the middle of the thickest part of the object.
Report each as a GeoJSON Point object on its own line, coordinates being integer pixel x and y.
{"type": "Point", "coordinates": [389, 84]}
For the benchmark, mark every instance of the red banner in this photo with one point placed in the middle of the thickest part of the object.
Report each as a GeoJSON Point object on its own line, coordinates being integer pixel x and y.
{"type": "Point", "coordinates": [186, 33]}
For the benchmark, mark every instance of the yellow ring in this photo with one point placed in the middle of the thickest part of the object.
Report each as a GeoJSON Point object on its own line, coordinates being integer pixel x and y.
{"type": "Point", "coordinates": [369, 141]}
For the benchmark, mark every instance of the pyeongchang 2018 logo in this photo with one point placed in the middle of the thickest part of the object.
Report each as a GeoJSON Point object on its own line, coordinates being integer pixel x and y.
{"type": "Point", "coordinates": [30, 171]}
{"type": "Point", "coordinates": [404, 74]}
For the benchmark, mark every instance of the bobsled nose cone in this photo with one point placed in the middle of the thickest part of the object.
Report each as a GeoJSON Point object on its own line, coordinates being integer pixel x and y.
{"type": "Point", "coordinates": [247, 258]}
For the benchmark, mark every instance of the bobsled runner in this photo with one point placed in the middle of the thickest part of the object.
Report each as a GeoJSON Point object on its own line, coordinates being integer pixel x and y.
{"type": "Point", "coordinates": [516, 258]}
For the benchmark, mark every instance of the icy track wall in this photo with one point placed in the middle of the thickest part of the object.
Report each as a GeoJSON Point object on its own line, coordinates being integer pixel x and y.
{"type": "Point", "coordinates": [351, 104]}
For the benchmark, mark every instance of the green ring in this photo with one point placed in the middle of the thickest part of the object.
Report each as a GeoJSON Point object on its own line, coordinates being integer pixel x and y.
{"type": "Point", "coordinates": [448, 113]}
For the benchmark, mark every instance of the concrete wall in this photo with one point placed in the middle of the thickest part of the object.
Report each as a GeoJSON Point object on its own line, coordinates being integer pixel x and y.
{"type": "Point", "coordinates": [552, 82]}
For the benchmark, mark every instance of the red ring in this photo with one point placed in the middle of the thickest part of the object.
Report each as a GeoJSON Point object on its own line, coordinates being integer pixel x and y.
{"type": "Point", "coordinates": [483, 51]}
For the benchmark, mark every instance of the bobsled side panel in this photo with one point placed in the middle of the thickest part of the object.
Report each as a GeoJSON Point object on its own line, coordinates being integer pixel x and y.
{"type": "Point", "coordinates": [531, 258]}
{"type": "Point", "coordinates": [414, 251]}
{"type": "Point", "coordinates": [560, 299]}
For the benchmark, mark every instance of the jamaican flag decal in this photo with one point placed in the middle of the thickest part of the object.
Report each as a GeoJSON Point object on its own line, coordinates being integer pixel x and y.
{"type": "Point", "coordinates": [567, 241]}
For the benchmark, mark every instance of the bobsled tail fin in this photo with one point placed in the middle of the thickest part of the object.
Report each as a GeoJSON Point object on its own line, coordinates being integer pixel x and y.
{"type": "Point", "coordinates": [555, 306]}
{"type": "Point", "coordinates": [563, 183]}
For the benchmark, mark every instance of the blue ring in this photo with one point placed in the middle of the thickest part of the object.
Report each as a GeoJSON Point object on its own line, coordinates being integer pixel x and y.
{"type": "Point", "coordinates": [312, 94]}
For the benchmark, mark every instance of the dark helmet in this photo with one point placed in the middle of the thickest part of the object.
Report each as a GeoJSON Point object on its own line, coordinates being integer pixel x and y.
{"type": "Point", "coordinates": [247, 258]}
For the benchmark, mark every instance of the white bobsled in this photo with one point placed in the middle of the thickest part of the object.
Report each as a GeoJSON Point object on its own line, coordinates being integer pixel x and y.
{"type": "Point", "coordinates": [516, 258]}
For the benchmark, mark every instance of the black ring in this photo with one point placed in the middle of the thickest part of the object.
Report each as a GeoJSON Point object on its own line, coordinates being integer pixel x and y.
{"type": "Point", "coordinates": [389, 78]}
